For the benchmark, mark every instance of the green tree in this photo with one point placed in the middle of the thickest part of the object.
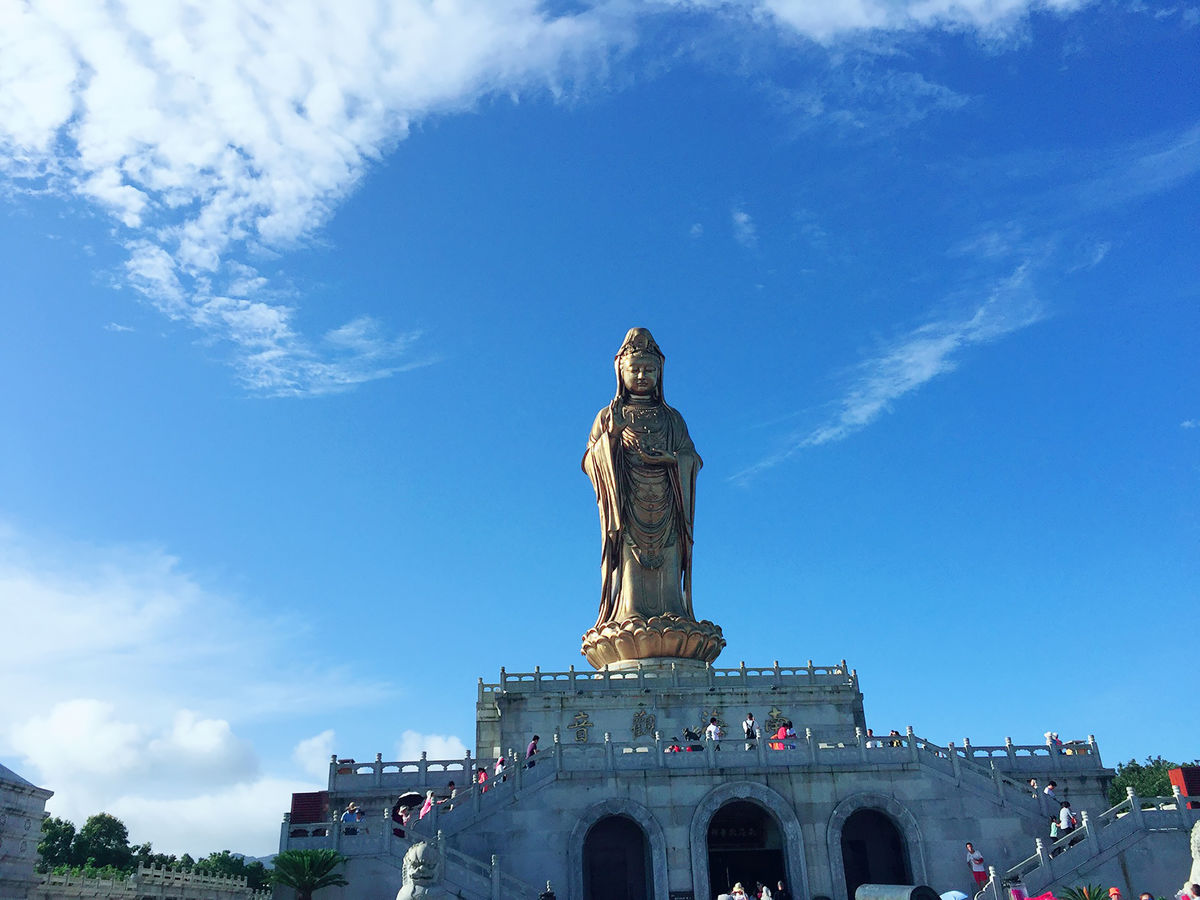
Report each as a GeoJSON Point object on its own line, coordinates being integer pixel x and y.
{"type": "Point", "coordinates": [55, 845]}
{"type": "Point", "coordinates": [307, 871]}
{"type": "Point", "coordinates": [103, 841]}
{"type": "Point", "coordinates": [227, 863]}
{"type": "Point", "coordinates": [1149, 779]}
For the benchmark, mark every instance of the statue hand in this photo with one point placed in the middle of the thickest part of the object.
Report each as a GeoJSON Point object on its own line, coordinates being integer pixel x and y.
{"type": "Point", "coordinates": [658, 457]}
{"type": "Point", "coordinates": [630, 440]}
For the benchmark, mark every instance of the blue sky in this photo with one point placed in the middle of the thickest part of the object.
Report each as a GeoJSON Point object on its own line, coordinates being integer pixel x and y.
{"type": "Point", "coordinates": [307, 315]}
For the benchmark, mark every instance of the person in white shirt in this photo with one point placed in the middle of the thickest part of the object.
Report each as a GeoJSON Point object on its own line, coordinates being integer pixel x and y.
{"type": "Point", "coordinates": [752, 731]}
{"type": "Point", "coordinates": [975, 861]}
{"type": "Point", "coordinates": [713, 732]}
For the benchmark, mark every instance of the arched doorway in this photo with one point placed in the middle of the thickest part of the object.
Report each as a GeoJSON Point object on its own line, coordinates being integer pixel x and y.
{"type": "Point", "coordinates": [745, 844]}
{"type": "Point", "coordinates": [616, 861]}
{"type": "Point", "coordinates": [873, 851]}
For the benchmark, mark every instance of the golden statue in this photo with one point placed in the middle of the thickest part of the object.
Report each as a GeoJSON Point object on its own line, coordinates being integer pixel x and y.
{"type": "Point", "coordinates": [643, 465]}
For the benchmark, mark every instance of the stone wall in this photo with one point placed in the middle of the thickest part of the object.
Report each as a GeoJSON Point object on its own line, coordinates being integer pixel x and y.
{"type": "Point", "coordinates": [22, 808]}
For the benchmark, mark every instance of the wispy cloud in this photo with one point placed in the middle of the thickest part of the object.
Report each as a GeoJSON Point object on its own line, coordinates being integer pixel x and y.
{"type": "Point", "coordinates": [697, 230]}
{"type": "Point", "coordinates": [114, 326]}
{"type": "Point", "coordinates": [745, 232]}
{"type": "Point", "coordinates": [1190, 423]}
{"type": "Point", "coordinates": [921, 354]}
{"type": "Point", "coordinates": [216, 134]}
{"type": "Point", "coordinates": [212, 133]}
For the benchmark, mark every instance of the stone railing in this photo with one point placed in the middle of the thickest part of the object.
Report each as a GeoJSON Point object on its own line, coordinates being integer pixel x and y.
{"type": "Point", "coordinates": [150, 881]}
{"type": "Point", "coordinates": [1055, 859]}
{"type": "Point", "coordinates": [1071, 757]}
{"type": "Point", "coordinates": [369, 783]}
{"type": "Point", "coordinates": [642, 678]}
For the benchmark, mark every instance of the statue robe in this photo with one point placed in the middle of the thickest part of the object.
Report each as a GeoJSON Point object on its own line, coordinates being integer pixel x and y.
{"type": "Point", "coordinates": [636, 578]}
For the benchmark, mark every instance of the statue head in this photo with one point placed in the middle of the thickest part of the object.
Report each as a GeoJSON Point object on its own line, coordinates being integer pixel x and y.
{"type": "Point", "coordinates": [422, 864]}
{"type": "Point", "coordinates": [639, 366]}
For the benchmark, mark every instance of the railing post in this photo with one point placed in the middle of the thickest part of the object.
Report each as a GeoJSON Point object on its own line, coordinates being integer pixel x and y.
{"type": "Point", "coordinates": [659, 760]}
{"type": "Point", "coordinates": [1044, 859]}
{"type": "Point", "coordinates": [954, 762]}
{"type": "Point", "coordinates": [1181, 806]}
{"type": "Point", "coordinates": [1135, 806]}
{"type": "Point", "coordinates": [1093, 833]}
{"type": "Point", "coordinates": [641, 677]}
{"type": "Point", "coordinates": [1094, 749]}
{"type": "Point", "coordinates": [742, 672]}
{"type": "Point", "coordinates": [1009, 751]}
{"type": "Point", "coordinates": [813, 746]}
{"type": "Point", "coordinates": [558, 760]}
{"type": "Point", "coordinates": [778, 676]}
{"type": "Point", "coordinates": [912, 744]}
{"type": "Point", "coordinates": [674, 675]}
{"type": "Point", "coordinates": [378, 769]}
{"type": "Point", "coordinates": [537, 678]}
{"type": "Point", "coordinates": [999, 784]}
{"type": "Point", "coordinates": [968, 751]}
{"type": "Point", "coordinates": [495, 877]}
{"type": "Point", "coordinates": [518, 767]}
{"type": "Point", "coordinates": [423, 767]}
{"type": "Point", "coordinates": [760, 748]}
{"type": "Point", "coordinates": [332, 769]}
{"type": "Point", "coordinates": [571, 676]}
{"type": "Point", "coordinates": [609, 764]}
{"type": "Point", "coordinates": [862, 745]}
{"type": "Point", "coordinates": [812, 672]}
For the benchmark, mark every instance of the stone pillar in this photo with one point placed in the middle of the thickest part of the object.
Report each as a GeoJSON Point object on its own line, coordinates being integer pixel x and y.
{"type": "Point", "coordinates": [1135, 806]}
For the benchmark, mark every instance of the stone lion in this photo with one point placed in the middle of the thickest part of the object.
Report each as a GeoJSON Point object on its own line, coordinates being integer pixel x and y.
{"type": "Point", "coordinates": [423, 874]}
{"type": "Point", "coordinates": [1194, 877]}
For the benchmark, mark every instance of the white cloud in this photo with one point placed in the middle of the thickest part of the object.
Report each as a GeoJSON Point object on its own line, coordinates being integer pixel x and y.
{"type": "Point", "coordinates": [435, 746]}
{"type": "Point", "coordinates": [209, 131]}
{"type": "Point", "coordinates": [824, 21]}
{"type": "Point", "coordinates": [244, 817]}
{"type": "Point", "coordinates": [312, 754]}
{"type": "Point", "coordinates": [914, 359]}
{"type": "Point", "coordinates": [212, 132]}
{"type": "Point", "coordinates": [744, 230]}
{"type": "Point", "coordinates": [146, 682]}
{"type": "Point", "coordinates": [1190, 423]}
{"type": "Point", "coordinates": [114, 326]}
{"type": "Point", "coordinates": [697, 230]}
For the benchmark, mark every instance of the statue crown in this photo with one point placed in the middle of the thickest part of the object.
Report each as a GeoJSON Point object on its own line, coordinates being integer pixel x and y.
{"type": "Point", "coordinates": [639, 340]}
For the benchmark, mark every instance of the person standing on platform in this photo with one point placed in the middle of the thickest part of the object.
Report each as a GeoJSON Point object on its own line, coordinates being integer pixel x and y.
{"type": "Point", "coordinates": [975, 861]}
{"type": "Point", "coordinates": [750, 727]}
{"type": "Point", "coordinates": [713, 733]}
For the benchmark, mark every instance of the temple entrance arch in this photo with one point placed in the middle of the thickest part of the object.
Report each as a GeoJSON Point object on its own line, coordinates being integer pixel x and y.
{"type": "Point", "coordinates": [745, 802]}
{"type": "Point", "coordinates": [873, 851]}
{"type": "Point", "coordinates": [745, 844]}
{"type": "Point", "coordinates": [873, 839]}
{"type": "Point", "coordinates": [616, 861]}
{"type": "Point", "coordinates": [602, 833]}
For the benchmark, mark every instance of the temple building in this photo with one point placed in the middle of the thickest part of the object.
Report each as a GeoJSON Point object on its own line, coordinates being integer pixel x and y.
{"type": "Point", "coordinates": [645, 783]}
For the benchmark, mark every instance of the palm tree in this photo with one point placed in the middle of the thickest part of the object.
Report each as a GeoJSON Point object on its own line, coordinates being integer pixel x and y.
{"type": "Point", "coordinates": [307, 871]}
